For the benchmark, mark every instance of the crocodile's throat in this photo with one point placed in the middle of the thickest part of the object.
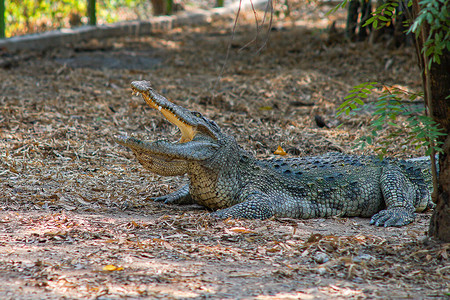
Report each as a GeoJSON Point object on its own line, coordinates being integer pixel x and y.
{"type": "Point", "coordinates": [188, 131]}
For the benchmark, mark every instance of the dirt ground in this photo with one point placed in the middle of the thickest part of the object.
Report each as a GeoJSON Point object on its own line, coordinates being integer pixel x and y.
{"type": "Point", "coordinates": [76, 219]}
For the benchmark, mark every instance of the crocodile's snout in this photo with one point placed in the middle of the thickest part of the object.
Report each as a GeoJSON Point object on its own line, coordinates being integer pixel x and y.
{"type": "Point", "coordinates": [141, 86]}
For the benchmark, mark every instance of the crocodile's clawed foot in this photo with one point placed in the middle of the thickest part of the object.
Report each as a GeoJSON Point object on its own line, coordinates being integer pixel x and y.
{"type": "Point", "coordinates": [393, 217]}
{"type": "Point", "coordinates": [173, 199]}
{"type": "Point", "coordinates": [164, 199]}
{"type": "Point", "coordinates": [180, 196]}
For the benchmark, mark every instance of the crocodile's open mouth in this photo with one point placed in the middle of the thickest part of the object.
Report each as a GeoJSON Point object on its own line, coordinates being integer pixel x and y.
{"type": "Point", "coordinates": [167, 109]}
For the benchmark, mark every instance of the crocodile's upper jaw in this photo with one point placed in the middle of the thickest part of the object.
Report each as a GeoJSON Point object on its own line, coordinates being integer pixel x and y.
{"type": "Point", "coordinates": [188, 131]}
{"type": "Point", "coordinates": [190, 123]}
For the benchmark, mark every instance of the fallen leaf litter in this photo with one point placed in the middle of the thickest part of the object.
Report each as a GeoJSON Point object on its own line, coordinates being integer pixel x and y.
{"type": "Point", "coordinates": [76, 217]}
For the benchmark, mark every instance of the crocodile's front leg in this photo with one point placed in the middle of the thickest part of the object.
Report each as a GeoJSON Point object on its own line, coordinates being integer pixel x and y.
{"type": "Point", "coordinates": [180, 196]}
{"type": "Point", "coordinates": [399, 194]}
{"type": "Point", "coordinates": [256, 206]}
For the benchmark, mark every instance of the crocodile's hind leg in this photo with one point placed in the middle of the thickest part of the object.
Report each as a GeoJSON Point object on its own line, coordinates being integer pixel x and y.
{"type": "Point", "coordinates": [180, 196]}
{"type": "Point", "coordinates": [256, 206]}
{"type": "Point", "coordinates": [399, 194]}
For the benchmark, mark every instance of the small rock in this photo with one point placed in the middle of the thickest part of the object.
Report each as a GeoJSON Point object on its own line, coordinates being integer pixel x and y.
{"type": "Point", "coordinates": [321, 270]}
{"type": "Point", "coordinates": [321, 257]}
{"type": "Point", "coordinates": [363, 257]}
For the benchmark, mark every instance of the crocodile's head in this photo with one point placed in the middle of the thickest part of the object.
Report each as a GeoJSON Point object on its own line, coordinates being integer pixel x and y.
{"type": "Point", "coordinates": [200, 137]}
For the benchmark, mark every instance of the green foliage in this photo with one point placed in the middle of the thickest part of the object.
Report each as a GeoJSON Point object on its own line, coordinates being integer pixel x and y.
{"type": "Point", "coordinates": [435, 14]}
{"type": "Point", "coordinates": [382, 17]}
{"type": "Point", "coordinates": [396, 118]}
{"type": "Point", "coordinates": [343, 4]}
{"type": "Point", "coordinates": [110, 10]}
{"type": "Point", "coordinates": [355, 96]}
{"type": "Point", "coordinates": [27, 16]}
{"type": "Point", "coordinates": [32, 15]}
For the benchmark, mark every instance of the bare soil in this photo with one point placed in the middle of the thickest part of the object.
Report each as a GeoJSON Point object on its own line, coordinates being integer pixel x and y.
{"type": "Point", "coordinates": [76, 218]}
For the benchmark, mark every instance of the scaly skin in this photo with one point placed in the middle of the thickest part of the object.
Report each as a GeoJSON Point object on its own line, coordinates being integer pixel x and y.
{"type": "Point", "coordinates": [226, 178]}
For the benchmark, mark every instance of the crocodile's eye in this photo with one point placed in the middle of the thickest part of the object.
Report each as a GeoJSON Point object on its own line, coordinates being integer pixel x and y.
{"type": "Point", "coordinates": [197, 114]}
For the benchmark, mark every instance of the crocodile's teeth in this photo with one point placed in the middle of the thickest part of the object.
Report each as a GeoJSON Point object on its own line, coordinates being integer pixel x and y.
{"type": "Point", "coordinates": [137, 93]}
{"type": "Point", "coordinates": [159, 108]}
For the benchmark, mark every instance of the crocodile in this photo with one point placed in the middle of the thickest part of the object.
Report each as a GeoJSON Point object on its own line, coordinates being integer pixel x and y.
{"type": "Point", "coordinates": [234, 184]}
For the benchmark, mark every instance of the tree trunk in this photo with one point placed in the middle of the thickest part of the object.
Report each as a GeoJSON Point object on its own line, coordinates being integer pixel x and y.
{"type": "Point", "coordinates": [352, 19]}
{"type": "Point", "coordinates": [439, 78]}
{"type": "Point", "coordinates": [436, 83]}
{"type": "Point", "coordinates": [440, 221]}
{"type": "Point", "coordinates": [159, 7]}
{"type": "Point", "coordinates": [355, 21]}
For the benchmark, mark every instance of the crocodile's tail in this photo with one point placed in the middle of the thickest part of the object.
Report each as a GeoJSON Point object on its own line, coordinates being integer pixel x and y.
{"type": "Point", "coordinates": [419, 172]}
{"type": "Point", "coordinates": [424, 162]}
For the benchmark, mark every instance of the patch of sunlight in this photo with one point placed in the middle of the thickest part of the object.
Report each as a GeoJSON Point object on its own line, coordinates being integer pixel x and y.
{"type": "Point", "coordinates": [169, 44]}
{"type": "Point", "coordinates": [287, 296]}
{"type": "Point", "coordinates": [331, 291]}
{"type": "Point", "coordinates": [334, 290]}
{"type": "Point", "coordinates": [173, 293]}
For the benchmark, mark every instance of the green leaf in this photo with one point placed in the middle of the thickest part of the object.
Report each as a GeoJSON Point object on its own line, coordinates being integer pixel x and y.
{"type": "Point", "coordinates": [343, 4]}
{"type": "Point", "coordinates": [359, 101]}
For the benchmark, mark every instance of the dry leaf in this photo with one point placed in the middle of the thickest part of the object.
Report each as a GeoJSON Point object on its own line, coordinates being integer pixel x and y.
{"type": "Point", "coordinates": [112, 268]}
{"type": "Point", "coordinates": [241, 230]}
{"type": "Point", "coordinates": [280, 151]}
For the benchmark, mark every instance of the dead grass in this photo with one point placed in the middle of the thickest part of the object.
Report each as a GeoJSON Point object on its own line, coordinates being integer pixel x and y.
{"type": "Point", "coordinates": [73, 202]}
